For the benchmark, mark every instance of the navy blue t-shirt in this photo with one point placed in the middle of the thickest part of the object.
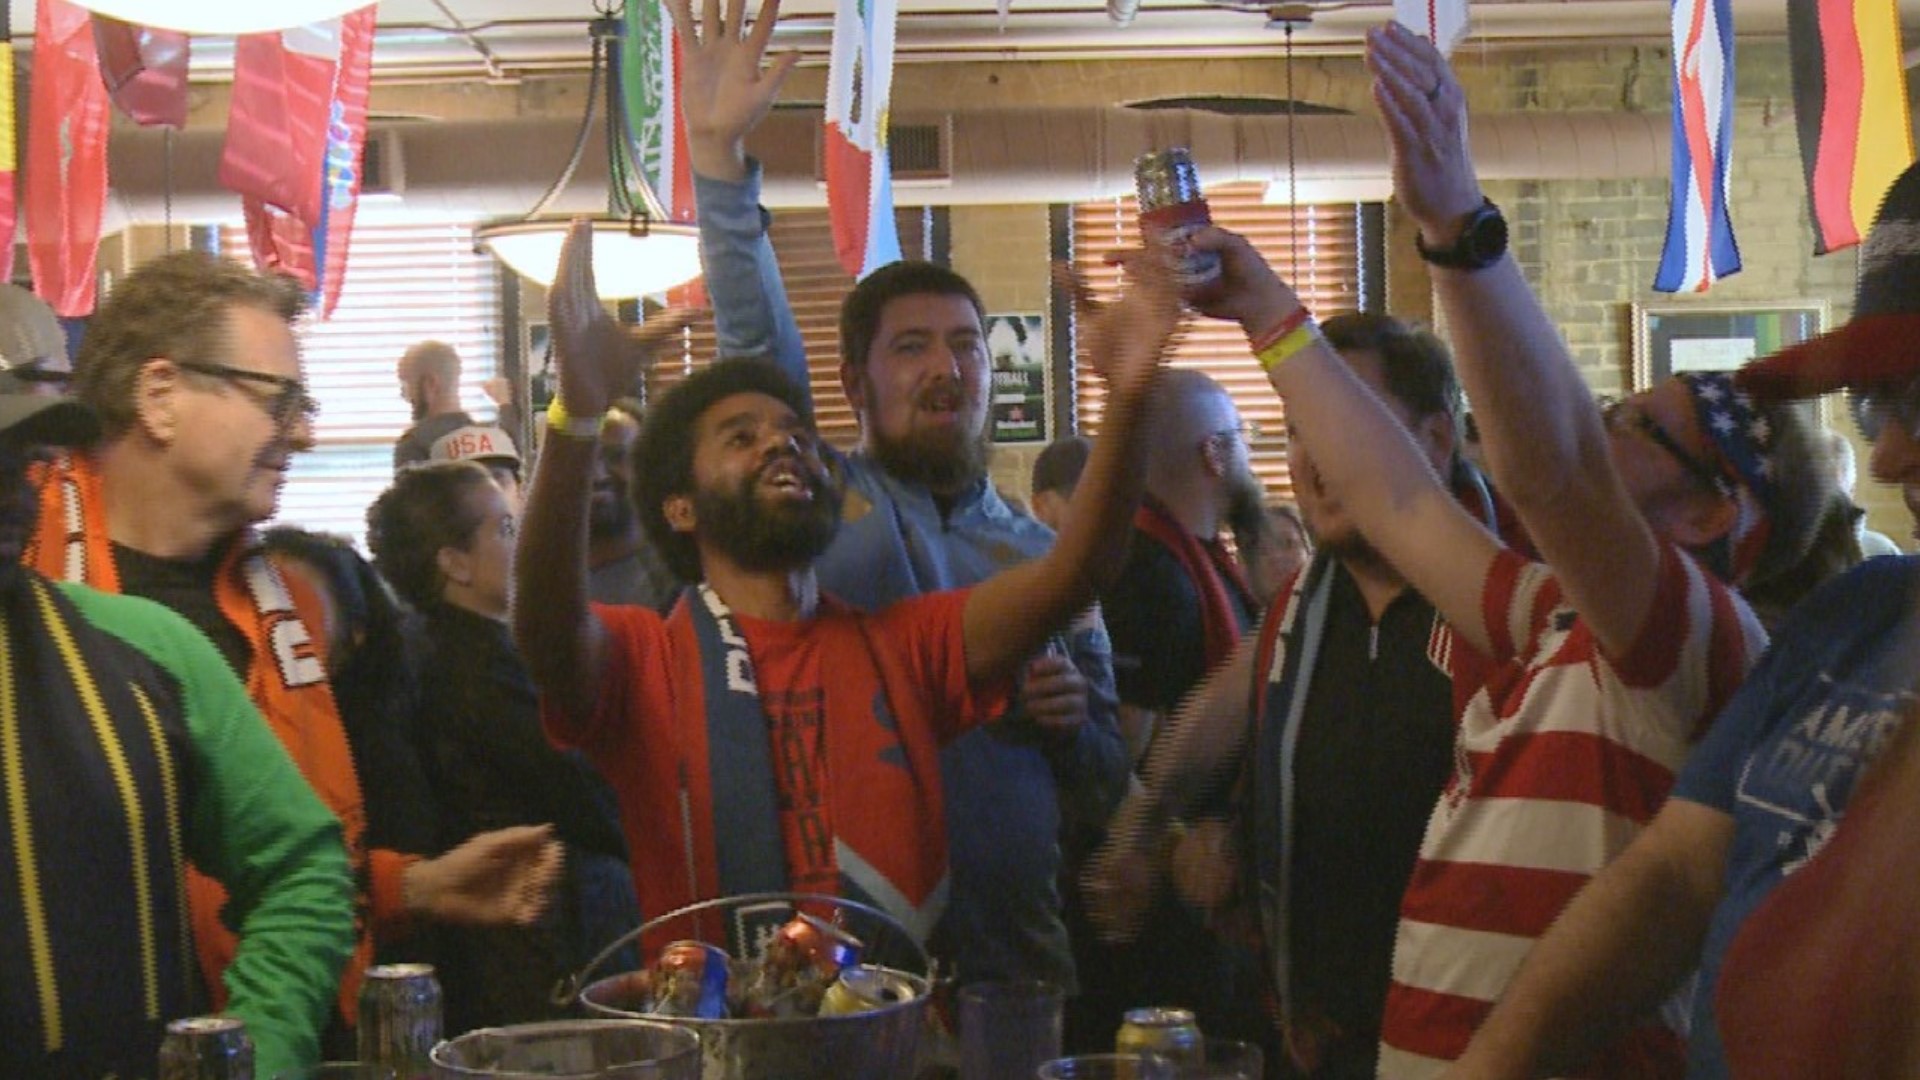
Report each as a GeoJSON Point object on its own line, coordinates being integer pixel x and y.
{"type": "Point", "coordinates": [1784, 757]}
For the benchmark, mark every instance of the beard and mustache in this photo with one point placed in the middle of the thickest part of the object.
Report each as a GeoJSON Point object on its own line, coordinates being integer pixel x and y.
{"type": "Point", "coordinates": [760, 536]}
{"type": "Point", "coordinates": [945, 460]}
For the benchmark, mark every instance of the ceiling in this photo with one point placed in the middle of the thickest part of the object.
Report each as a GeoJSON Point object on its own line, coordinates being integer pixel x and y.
{"type": "Point", "coordinates": [507, 39]}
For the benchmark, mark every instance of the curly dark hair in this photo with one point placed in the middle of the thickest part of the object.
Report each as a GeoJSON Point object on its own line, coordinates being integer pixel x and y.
{"type": "Point", "coordinates": [425, 510]}
{"type": "Point", "coordinates": [174, 306]}
{"type": "Point", "coordinates": [662, 462]}
{"type": "Point", "coordinates": [860, 311]}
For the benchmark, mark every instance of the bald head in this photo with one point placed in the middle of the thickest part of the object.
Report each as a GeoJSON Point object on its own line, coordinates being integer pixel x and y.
{"type": "Point", "coordinates": [1192, 408]}
{"type": "Point", "coordinates": [430, 378]}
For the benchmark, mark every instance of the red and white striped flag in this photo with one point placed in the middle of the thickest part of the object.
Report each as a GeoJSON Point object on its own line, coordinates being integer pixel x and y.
{"type": "Point", "coordinates": [66, 188]}
{"type": "Point", "coordinates": [1442, 21]}
{"type": "Point", "coordinates": [295, 129]}
{"type": "Point", "coordinates": [859, 171]}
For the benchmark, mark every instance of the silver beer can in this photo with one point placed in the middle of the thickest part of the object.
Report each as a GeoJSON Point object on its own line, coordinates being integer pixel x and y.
{"type": "Point", "coordinates": [206, 1048]}
{"type": "Point", "coordinates": [400, 1018]}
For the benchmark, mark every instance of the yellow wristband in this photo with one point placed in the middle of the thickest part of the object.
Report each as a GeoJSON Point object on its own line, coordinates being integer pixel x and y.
{"type": "Point", "coordinates": [576, 427]}
{"type": "Point", "coordinates": [1281, 351]}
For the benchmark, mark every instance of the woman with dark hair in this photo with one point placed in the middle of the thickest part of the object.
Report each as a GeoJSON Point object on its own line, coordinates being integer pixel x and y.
{"type": "Point", "coordinates": [443, 535]}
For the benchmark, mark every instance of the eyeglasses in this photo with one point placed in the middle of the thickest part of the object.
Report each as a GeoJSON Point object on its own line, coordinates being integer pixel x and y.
{"type": "Point", "coordinates": [288, 399]}
{"type": "Point", "coordinates": [1617, 413]}
{"type": "Point", "coordinates": [1874, 409]}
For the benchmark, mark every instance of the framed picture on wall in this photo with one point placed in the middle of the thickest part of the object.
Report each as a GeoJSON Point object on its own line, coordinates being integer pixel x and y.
{"type": "Point", "coordinates": [1018, 374]}
{"type": "Point", "coordinates": [1672, 338]}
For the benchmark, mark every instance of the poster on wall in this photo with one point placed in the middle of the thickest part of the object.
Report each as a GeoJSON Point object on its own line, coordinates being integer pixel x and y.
{"type": "Point", "coordinates": [1017, 349]}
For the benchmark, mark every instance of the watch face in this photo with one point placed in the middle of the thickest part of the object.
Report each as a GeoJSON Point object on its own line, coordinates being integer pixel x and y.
{"type": "Point", "coordinates": [1486, 236]}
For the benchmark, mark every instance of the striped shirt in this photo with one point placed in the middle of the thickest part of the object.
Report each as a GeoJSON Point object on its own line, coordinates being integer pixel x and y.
{"type": "Point", "coordinates": [1560, 759]}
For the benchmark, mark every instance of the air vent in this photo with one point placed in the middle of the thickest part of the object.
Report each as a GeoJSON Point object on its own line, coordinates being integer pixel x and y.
{"type": "Point", "coordinates": [921, 149]}
{"type": "Point", "coordinates": [381, 170]}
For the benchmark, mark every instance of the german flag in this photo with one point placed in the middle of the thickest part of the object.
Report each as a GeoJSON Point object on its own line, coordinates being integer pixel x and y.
{"type": "Point", "coordinates": [9, 161]}
{"type": "Point", "coordinates": [1850, 104]}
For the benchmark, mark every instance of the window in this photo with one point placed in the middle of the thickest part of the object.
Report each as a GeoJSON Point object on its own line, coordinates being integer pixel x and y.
{"type": "Point", "coordinates": [816, 283]}
{"type": "Point", "coordinates": [1329, 278]}
{"type": "Point", "coordinates": [405, 283]}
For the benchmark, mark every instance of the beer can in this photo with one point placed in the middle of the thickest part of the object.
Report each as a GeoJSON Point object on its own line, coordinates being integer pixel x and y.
{"type": "Point", "coordinates": [400, 1018]}
{"type": "Point", "coordinates": [692, 981]}
{"type": "Point", "coordinates": [206, 1048]}
{"type": "Point", "coordinates": [864, 988]}
{"type": "Point", "coordinates": [825, 946]}
{"type": "Point", "coordinates": [1172, 209]}
{"type": "Point", "coordinates": [1170, 1033]}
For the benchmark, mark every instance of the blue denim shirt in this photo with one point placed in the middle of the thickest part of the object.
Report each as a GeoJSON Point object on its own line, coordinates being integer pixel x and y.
{"type": "Point", "coordinates": [1007, 784]}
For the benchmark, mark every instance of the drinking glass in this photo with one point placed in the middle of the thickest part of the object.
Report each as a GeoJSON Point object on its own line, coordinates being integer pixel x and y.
{"type": "Point", "coordinates": [1224, 1059]}
{"type": "Point", "coordinates": [1008, 1028]}
{"type": "Point", "coordinates": [1108, 1067]}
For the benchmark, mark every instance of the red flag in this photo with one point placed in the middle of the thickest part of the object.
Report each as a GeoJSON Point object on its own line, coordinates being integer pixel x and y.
{"type": "Point", "coordinates": [295, 129]}
{"type": "Point", "coordinates": [145, 70]}
{"type": "Point", "coordinates": [66, 158]}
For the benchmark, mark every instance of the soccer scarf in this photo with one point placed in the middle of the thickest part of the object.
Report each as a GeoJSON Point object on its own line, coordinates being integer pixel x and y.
{"type": "Point", "coordinates": [889, 839]}
{"type": "Point", "coordinates": [286, 681]}
{"type": "Point", "coordinates": [1211, 572]}
{"type": "Point", "coordinates": [78, 706]}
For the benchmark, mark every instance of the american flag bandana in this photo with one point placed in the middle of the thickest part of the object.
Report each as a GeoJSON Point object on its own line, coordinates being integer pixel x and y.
{"type": "Point", "coordinates": [1743, 449]}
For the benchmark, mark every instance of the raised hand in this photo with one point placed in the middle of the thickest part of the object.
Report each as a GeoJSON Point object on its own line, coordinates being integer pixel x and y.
{"type": "Point", "coordinates": [1425, 111]}
{"type": "Point", "coordinates": [1250, 292]}
{"type": "Point", "coordinates": [1127, 338]}
{"type": "Point", "coordinates": [598, 358]}
{"type": "Point", "coordinates": [726, 82]}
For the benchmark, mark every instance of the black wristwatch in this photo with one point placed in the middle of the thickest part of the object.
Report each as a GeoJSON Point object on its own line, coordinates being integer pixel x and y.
{"type": "Point", "coordinates": [1482, 240]}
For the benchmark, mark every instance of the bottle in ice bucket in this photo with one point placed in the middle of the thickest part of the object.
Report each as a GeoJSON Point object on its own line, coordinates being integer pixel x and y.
{"type": "Point", "coordinates": [206, 1048]}
{"type": "Point", "coordinates": [1170, 1033]}
{"type": "Point", "coordinates": [400, 1018]}
{"type": "Point", "coordinates": [1172, 209]}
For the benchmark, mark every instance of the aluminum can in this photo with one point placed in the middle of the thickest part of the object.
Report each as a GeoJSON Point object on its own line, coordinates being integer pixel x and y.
{"type": "Point", "coordinates": [400, 1018]}
{"type": "Point", "coordinates": [825, 947]}
{"type": "Point", "coordinates": [1170, 1033]}
{"type": "Point", "coordinates": [692, 981]}
{"type": "Point", "coordinates": [864, 988]}
{"type": "Point", "coordinates": [206, 1048]}
{"type": "Point", "coordinates": [1172, 209]}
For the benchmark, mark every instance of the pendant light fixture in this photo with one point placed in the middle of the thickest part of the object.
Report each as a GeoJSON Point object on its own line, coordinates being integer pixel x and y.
{"type": "Point", "coordinates": [221, 16]}
{"type": "Point", "coordinates": [637, 249]}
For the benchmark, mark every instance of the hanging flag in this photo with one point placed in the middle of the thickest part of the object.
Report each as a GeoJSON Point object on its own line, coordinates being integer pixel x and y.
{"type": "Point", "coordinates": [1700, 247]}
{"type": "Point", "coordinates": [66, 181]}
{"type": "Point", "coordinates": [859, 171]}
{"type": "Point", "coordinates": [649, 67]}
{"type": "Point", "coordinates": [295, 129]}
{"type": "Point", "coordinates": [9, 161]}
{"type": "Point", "coordinates": [1850, 105]}
{"type": "Point", "coordinates": [145, 70]}
{"type": "Point", "coordinates": [1442, 21]}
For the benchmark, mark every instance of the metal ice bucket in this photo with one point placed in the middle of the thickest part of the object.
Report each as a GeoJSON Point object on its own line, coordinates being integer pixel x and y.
{"type": "Point", "coordinates": [880, 1044]}
{"type": "Point", "coordinates": [613, 1049]}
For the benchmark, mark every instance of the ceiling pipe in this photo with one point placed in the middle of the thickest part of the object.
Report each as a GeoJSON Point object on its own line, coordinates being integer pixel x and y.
{"type": "Point", "coordinates": [473, 170]}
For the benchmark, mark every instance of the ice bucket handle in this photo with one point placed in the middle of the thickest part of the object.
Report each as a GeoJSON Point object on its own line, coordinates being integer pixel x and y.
{"type": "Point", "coordinates": [567, 991]}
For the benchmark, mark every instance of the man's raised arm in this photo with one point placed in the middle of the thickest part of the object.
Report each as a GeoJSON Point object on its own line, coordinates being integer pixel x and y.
{"type": "Point", "coordinates": [1544, 441]}
{"type": "Point", "coordinates": [557, 633]}
{"type": "Point", "coordinates": [1012, 612]}
{"type": "Point", "coordinates": [726, 88]}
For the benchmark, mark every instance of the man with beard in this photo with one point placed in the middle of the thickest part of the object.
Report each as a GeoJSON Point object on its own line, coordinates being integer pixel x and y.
{"type": "Point", "coordinates": [130, 748]}
{"type": "Point", "coordinates": [1370, 738]}
{"type": "Point", "coordinates": [195, 373]}
{"type": "Point", "coordinates": [791, 740]}
{"type": "Point", "coordinates": [623, 566]}
{"type": "Point", "coordinates": [430, 382]}
{"type": "Point", "coordinates": [920, 514]}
